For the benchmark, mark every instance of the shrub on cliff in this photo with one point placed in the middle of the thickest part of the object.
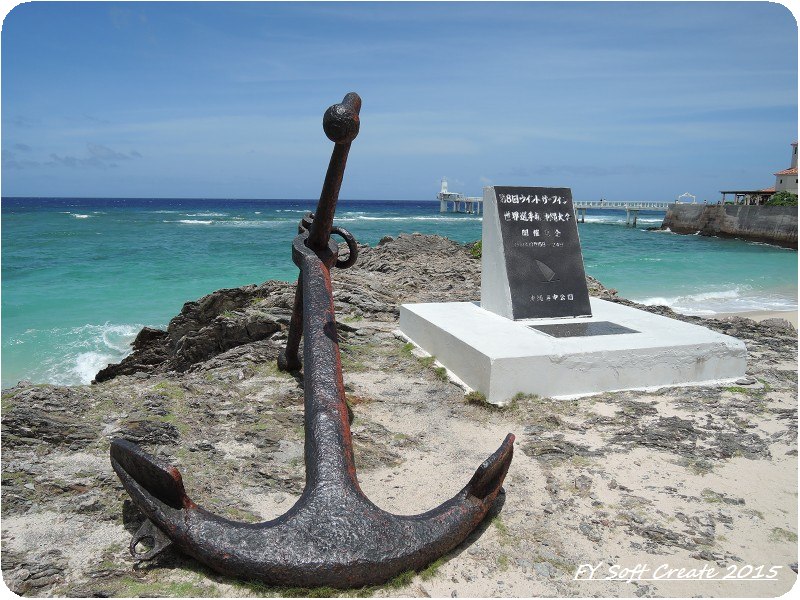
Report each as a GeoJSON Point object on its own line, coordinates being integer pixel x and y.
{"type": "Point", "coordinates": [783, 199]}
{"type": "Point", "coordinates": [476, 249]}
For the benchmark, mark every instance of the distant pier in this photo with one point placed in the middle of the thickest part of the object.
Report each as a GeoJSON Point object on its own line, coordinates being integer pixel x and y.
{"type": "Point", "coordinates": [458, 203]}
{"type": "Point", "coordinates": [631, 208]}
{"type": "Point", "coordinates": [473, 205]}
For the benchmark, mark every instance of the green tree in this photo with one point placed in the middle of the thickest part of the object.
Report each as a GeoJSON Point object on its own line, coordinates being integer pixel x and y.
{"type": "Point", "coordinates": [783, 199]}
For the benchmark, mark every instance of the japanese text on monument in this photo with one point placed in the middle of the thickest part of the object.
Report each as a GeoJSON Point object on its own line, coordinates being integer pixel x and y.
{"type": "Point", "coordinates": [542, 251]}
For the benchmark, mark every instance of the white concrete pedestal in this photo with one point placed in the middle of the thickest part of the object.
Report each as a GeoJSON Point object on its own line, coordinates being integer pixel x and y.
{"type": "Point", "coordinates": [500, 357]}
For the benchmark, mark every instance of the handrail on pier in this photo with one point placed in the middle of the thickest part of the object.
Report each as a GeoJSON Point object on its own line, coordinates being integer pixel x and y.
{"type": "Point", "coordinates": [621, 205]}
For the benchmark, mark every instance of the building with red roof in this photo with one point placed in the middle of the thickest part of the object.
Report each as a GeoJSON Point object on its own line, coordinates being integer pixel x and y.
{"type": "Point", "coordinates": [785, 181]}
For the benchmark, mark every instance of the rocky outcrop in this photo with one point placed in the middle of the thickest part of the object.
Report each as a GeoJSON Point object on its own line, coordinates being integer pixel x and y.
{"type": "Point", "coordinates": [395, 271]}
{"type": "Point", "coordinates": [770, 224]}
{"type": "Point", "coordinates": [206, 327]}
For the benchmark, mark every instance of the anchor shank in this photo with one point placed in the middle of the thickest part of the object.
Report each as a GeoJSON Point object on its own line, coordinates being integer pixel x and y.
{"type": "Point", "coordinates": [328, 444]}
{"type": "Point", "coordinates": [326, 207]}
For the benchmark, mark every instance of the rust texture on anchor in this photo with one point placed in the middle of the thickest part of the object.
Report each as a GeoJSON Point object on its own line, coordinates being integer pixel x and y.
{"type": "Point", "coordinates": [333, 535]}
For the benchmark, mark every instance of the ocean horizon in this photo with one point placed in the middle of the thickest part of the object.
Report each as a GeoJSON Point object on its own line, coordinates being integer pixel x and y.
{"type": "Point", "coordinates": [81, 276]}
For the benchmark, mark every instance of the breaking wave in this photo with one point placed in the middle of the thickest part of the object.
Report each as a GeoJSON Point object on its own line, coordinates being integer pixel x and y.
{"type": "Point", "coordinates": [738, 299]}
{"type": "Point", "coordinates": [73, 356]}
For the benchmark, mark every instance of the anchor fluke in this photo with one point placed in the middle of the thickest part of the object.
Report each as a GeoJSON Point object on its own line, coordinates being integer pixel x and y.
{"type": "Point", "coordinates": [333, 535]}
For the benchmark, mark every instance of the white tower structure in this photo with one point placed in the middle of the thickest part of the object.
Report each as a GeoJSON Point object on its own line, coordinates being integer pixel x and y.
{"type": "Point", "coordinates": [786, 180]}
{"type": "Point", "coordinates": [461, 203]}
{"type": "Point", "coordinates": [444, 197]}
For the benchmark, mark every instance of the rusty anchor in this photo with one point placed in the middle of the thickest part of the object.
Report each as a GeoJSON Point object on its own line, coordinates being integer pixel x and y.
{"type": "Point", "coordinates": [334, 535]}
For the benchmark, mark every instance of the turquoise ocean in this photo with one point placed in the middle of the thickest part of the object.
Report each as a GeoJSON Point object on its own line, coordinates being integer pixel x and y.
{"type": "Point", "coordinates": [80, 277]}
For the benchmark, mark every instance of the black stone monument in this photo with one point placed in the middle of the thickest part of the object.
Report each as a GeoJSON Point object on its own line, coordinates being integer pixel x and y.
{"type": "Point", "coordinates": [542, 252]}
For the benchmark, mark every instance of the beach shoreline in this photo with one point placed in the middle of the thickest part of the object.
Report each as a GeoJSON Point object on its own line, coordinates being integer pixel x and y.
{"type": "Point", "coordinates": [760, 315]}
{"type": "Point", "coordinates": [86, 320]}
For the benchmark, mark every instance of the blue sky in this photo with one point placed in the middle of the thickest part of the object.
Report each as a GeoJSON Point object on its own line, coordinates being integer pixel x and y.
{"type": "Point", "coordinates": [619, 100]}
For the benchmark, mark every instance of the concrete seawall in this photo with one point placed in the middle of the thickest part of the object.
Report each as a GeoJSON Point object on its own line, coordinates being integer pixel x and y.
{"type": "Point", "coordinates": [771, 224]}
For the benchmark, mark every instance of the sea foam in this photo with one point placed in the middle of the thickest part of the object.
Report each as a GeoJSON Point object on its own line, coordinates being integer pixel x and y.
{"type": "Point", "coordinates": [738, 299]}
{"type": "Point", "coordinates": [109, 343]}
{"type": "Point", "coordinates": [87, 364]}
{"type": "Point", "coordinates": [76, 354]}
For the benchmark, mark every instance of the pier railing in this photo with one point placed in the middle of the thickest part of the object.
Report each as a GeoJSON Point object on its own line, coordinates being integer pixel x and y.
{"type": "Point", "coordinates": [621, 205]}
{"type": "Point", "coordinates": [631, 208]}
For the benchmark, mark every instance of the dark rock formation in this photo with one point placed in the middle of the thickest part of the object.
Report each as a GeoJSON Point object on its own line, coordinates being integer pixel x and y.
{"type": "Point", "coordinates": [770, 224]}
{"type": "Point", "coordinates": [206, 327]}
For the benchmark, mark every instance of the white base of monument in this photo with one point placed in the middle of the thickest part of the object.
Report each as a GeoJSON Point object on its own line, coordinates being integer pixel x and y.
{"type": "Point", "coordinates": [500, 357]}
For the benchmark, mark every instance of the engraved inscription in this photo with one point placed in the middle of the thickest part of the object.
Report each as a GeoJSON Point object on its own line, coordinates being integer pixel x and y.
{"type": "Point", "coordinates": [542, 252]}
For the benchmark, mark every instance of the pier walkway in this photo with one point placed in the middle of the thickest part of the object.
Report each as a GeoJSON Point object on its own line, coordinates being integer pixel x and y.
{"type": "Point", "coordinates": [473, 205]}
{"type": "Point", "coordinates": [631, 208]}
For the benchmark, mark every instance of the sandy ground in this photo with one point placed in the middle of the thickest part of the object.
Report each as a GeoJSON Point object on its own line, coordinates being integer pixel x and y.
{"type": "Point", "coordinates": [634, 484]}
{"type": "Point", "coordinates": [644, 482]}
{"type": "Point", "coordinates": [760, 315]}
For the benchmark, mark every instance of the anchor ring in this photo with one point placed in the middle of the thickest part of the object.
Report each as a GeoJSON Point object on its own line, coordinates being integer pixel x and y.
{"type": "Point", "coordinates": [352, 246]}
